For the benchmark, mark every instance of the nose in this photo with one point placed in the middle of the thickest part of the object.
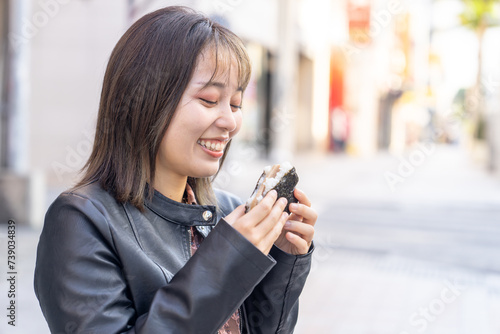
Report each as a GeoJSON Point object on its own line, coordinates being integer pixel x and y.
{"type": "Point", "coordinates": [227, 118]}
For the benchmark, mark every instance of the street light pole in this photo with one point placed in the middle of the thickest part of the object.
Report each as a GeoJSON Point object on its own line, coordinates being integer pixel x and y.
{"type": "Point", "coordinates": [4, 67]}
{"type": "Point", "coordinates": [130, 11]}
{"type": "Point", "coordinates": [17, 93]}
{"type": "Point", "coordinates": [283, 114]}
{"type": "Point", "coordinates": [16, 195]}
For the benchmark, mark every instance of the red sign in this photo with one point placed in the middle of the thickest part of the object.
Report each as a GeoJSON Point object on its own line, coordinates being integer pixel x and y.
{"type": "Point", "coordinates": [358, 13]}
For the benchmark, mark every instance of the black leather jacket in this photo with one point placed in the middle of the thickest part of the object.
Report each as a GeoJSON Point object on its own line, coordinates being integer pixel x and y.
{"type": "Point", "coordinates": [105, 267]}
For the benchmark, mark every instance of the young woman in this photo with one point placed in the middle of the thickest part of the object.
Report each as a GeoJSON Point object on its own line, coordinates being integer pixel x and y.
{"type": "Point", "coordinates": [143, 244]}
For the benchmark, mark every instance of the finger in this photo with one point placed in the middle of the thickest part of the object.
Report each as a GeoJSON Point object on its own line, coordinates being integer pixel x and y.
{"type": "Point", "coordinates": [301, 196]}
{"type": "Point", "coordinates": [261, 210]}
{"type": "Point", "coordinates": [294, 216]}
{"type": "Point", "coordinates": [308, 214]}
{"type": "Point", "coordinates": [269, 222]}
{"type": "Point", "coordinates": [256, 225]}
{"type": "Point", "coordinates": [236, 214]}
{"type": "Point", "coordinates": [300, 244]}
{"type": "Point", "coordinates": [275, 232]}
{"type": "Point", "coordinates": [306, 231]}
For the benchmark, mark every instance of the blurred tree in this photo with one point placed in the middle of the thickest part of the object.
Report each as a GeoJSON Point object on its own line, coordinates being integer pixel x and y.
{"type": "Point", "coordinates": [479, 15]}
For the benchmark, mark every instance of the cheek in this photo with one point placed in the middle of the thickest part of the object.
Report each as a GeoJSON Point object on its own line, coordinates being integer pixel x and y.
{"type": "Point", "coordinates": [172, 144]}
{"type": "Point", "coordinates": [185, 127]}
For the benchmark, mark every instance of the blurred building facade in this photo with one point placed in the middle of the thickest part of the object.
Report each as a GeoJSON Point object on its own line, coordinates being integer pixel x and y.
{"type": "Point", "coordinates": [342, 76]}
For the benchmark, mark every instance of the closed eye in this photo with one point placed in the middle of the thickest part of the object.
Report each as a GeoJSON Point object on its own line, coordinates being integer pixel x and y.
{"type": "Point", "coordinates": [212, 103]}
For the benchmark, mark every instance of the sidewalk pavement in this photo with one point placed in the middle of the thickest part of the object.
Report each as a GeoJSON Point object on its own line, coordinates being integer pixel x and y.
{"type": "Point", "coordinates": [352, 291]}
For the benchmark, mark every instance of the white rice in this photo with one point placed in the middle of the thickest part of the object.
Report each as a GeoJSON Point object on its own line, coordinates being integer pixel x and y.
{"type": "Point", "coordinates": [250, 200]}
{"type": "Point", "coordinates": [270, 183]}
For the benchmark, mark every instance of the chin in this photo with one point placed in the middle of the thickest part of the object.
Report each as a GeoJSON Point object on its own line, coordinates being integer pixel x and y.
{"type": "Point", "coordinates": [206, 170]}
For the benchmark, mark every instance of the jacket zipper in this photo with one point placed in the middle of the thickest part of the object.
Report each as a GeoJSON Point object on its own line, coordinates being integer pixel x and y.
{"type": "Point", "coordinates": [241, 320]}
{"type": "Point", "coordinates": [190, 242]}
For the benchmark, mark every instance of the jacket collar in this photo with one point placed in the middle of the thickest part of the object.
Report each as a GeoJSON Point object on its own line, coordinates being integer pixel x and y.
{"type": "Point", "coordinates": [181, 213]}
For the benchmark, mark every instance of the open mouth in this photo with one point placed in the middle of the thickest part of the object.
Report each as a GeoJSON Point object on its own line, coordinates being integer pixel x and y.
{"type": "Point", "coordinates": [212, 145]}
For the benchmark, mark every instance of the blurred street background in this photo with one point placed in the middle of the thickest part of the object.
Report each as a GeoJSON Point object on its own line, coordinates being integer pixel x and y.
{"type": "Point", "coordinates": [389, 109]}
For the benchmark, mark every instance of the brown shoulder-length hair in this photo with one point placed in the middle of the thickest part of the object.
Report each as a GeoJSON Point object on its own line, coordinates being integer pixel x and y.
{"type": "Point", "coordinates": [147, 74]}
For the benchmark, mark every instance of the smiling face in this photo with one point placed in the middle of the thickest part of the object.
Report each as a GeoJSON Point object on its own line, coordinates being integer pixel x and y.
{"type": "Point", "coordinates": [207, 117]}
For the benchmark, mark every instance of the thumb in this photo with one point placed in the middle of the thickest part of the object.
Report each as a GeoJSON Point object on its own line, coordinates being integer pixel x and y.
{"type": "Point", "coordinates": [235, 215]}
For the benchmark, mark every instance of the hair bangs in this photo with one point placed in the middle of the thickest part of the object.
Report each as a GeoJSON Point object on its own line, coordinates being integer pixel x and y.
{"type": "Point", "coordinates": [228, 50]}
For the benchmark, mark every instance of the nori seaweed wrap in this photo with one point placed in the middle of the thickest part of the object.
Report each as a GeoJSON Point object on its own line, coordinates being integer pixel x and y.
{"type": "Point", "coordinates": [281, 177]}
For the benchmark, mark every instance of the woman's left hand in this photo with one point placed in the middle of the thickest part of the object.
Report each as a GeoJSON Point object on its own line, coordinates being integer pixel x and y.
{"type": "Point", "coordinates": [298, 232]}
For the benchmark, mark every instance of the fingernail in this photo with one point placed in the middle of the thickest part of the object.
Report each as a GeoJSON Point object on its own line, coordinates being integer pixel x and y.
{"type": "Point", "coordinates": [274, 193]}
{"type": "Point", "coordinates": [288, 223]}
{"type": "Point", "coordinates": [283, 201]}
{"type": "Point", "coordinates": [293, 206]}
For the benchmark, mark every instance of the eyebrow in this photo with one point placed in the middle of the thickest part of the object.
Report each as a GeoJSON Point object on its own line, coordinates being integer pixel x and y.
{"type": "Point", "coordinates": [217, 84]}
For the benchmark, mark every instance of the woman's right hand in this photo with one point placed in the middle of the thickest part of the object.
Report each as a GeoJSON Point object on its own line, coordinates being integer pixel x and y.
{"type": "Point", "coordinates": [263, 224]}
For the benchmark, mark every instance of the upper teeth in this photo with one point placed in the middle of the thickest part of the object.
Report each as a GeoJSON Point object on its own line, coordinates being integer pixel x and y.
{"type": "Point", "coordinates": [214, 146]}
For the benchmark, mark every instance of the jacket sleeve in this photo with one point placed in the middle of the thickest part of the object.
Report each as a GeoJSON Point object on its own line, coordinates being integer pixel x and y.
{"type": "Point", "coordinates": [81, 288]}
{"type": "Point", "coordinates": [274, 304]}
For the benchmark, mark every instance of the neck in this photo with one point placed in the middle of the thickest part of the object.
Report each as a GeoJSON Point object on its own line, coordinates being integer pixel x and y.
{"type": "Point", "coordinates": [171, 186]}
